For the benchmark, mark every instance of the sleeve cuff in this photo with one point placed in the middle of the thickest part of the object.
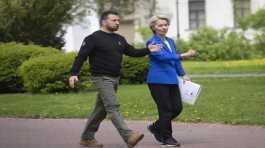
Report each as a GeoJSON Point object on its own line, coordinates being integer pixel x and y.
{"type": "Point", "coordinates": [147, 50]}
{"type": "Point", "coordinates": [179, 57]}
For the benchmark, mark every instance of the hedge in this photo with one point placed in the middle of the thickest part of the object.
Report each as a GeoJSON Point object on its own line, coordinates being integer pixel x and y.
{"type": "Point", "coordinates": [49, 74]}
{"type": "Point", "coordinates": [134, 70]}
{"type": "Point", "coordinates": [223, 44]}
{"type": "Point", "coordinates": [12, 55]}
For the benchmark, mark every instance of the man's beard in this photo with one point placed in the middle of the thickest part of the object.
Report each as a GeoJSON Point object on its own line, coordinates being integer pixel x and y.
{"type": "Point", "coordinates": [112, 29]}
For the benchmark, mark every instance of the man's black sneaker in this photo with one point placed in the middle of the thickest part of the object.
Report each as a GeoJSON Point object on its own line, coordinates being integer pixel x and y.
{"type": "Point", "coordinates": [155, 133]}
{"type": "Point", "coordinates": [171, 142]}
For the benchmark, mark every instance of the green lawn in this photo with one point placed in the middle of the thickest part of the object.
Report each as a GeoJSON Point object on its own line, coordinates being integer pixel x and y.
{"type": "Point", "coordinates": [223, 100]}
{"type": "Point", "coordinates": [239, 66]}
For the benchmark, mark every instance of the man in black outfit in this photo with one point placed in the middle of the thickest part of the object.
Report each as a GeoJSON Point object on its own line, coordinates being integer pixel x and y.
{"type": "Point", "coordinates": [105, 49]}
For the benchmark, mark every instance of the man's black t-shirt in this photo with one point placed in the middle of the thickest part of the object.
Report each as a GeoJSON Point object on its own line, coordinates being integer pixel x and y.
{"type": "Point", "coordinates": [105, 52]}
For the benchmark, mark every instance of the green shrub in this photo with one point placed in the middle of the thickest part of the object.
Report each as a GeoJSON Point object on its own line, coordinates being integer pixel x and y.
{"type": "Point", "coordinates": [182, 45]}
{"type": "Point", "coordinates": [134, 70]}
{"type": "Point", "coordinates": [236, 46]}
{"type": "Point", "coordinates": [51, 73]}
{"type": "Point", "coordinates": [146, 33]}
{"type": "Point", "coordinates": [259, 44]}
{"type": "Point", "coordinates": [256, 22]}
{"type": "Point", "coordinates": [223, 44]}
{"type": "Point", "coordinates": [12, 55]}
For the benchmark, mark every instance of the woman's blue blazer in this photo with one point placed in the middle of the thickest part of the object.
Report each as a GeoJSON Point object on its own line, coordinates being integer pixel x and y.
{"type": "Point", "coordinates": [165, 65]}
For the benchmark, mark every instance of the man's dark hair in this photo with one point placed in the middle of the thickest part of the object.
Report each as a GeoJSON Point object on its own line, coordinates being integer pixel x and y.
{"type": "Point", "coordinates": [105, 15]}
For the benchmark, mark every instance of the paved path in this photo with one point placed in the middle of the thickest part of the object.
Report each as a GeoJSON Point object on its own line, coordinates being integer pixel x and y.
{"type": "Point", "coordinates": [64, 133]}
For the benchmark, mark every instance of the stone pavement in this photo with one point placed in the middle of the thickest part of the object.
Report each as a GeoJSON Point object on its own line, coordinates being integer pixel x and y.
{"type": "Point", "coordinates": [65, 133]}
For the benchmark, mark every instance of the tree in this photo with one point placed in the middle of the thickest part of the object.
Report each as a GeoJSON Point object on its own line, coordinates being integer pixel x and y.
{"type": "Point", "coordinates": [39, 21]}
{"type": "Point", "coordinates": [257, 22]}
{"type": "Point", "coordinates": [125, 7]}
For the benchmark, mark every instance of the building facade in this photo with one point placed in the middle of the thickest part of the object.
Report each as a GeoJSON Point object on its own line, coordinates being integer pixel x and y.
{"type": "Point", "coordinates": [188, 15]}
{"type": "Point", "coordinates": [185, 15]}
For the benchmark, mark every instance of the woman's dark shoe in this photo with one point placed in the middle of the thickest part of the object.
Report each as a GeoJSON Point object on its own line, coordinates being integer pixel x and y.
{"type": "Point", "coordinates": [171, 142]}
{"type": "Point", "coordinates": [155, 133]}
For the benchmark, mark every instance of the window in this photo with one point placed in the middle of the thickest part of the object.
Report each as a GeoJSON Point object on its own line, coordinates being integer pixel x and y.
{"type": "Point", "coordinates": [196, 13]}
{"type": "Point", "coordinates": [241, 9]}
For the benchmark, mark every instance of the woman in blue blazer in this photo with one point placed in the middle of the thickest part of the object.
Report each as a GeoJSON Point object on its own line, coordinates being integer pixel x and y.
{"type": "Point", "coordinates": [165, 66]}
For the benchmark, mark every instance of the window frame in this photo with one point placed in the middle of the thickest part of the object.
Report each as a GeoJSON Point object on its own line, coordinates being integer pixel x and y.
{"type": "Point", "coordinates": [198, 21]}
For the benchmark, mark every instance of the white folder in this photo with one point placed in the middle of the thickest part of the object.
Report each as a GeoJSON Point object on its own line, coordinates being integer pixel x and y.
{"type": "Point", "coordinates": [189, 91]}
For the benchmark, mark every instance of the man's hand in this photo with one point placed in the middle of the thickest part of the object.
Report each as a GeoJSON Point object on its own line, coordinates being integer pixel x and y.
{"type": "Point", "coordinates": [190, 53]}
{"type": "Point", "coordinates": [72, 81]}
{"type": "Point", "coordinates": [154, 48]}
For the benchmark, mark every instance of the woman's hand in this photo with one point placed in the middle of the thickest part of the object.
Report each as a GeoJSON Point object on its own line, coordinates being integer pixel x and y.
{"type": "Point", "coordinates": [186, 78]}
{"type": "Point", "coordinates": [190, 53]}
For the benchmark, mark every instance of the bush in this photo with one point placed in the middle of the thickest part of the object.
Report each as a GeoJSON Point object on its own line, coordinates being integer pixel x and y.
{"type": "Point", "coordinates": [259, 44]}
{"type": "Point", "coordinates": [236, 46]}
{"type": "Point", "coordinates": [182, 46]}
{"type": "Point", "coordinates": [134, 70]}
{"type": "Point", "coordinates": [50, 73]}
{"type": "Point", "coordinates": [146, 33]}
{"type": "Point", "coordinates": [12, 55]}
{"type": "Point", "coordinates": [220, 45]}
{"type": "Point", "coordinates": [256, 21]}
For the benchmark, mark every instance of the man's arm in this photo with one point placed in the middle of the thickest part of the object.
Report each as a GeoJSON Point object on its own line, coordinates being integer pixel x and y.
{"type": "Point", "coordinates": [86, 48]}
{"type": "Point", "coordinates": [140, 52]}
{"type": "Point", "coordinates": [133, 52]}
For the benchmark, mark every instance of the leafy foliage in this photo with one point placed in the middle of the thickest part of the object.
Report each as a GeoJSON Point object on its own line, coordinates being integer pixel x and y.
{"type": "Point", "coordinates": [12, 55]}
{"type": "Point", "coordinates": [146, 33]}
{"type": "Point", "coordinates": [134, 70]}
{"type": "Point", "coordinates": [125, 7]}
{"type": "Point", "coordinates": [257, 22]}
{"type": "Point", "coordinates": [182, 45]}
{"type": "Point", "coordinates": [50, 73]}
{"type": "Point", "coordinates": [38, 21]}
{"type": "Point", "coordinates": [220, 45]}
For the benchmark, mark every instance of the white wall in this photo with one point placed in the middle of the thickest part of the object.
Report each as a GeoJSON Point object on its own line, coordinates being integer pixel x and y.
{"type": "Point", "coordinates": [257, 4]}
{"type": "Point", "coordinates": [76, 33]}
{"type": "Point", "coordinates": [219, 13]}
{"type": "Point", "coordinates": [168, 8]}
{"type": "Point", "coordinates": [184, 19]}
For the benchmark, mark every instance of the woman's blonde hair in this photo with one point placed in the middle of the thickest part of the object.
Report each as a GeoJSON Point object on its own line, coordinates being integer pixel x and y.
{"type": "Point", "coordinates": [155, 18]}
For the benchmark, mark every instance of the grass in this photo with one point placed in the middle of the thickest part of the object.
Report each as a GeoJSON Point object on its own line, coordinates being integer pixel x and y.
{"type": "Point", "coordinates": [223, 100]}
{"type": "Point", "coordinates": [239, 66]}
